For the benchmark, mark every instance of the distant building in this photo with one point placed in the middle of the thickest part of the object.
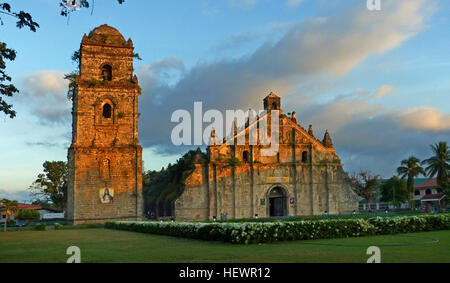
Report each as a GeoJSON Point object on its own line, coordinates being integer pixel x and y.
{"type": "Point", "coordinates": [428, 194]}
{"type": "Point", "coordinates": [21, 207]}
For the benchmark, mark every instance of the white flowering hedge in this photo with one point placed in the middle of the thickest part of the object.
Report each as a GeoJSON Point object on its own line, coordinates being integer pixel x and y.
{"type": "Point", "coordinates": [253, 233]}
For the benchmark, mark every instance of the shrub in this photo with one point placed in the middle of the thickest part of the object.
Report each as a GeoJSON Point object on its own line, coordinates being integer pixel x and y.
{"type": "Point", "coordinates": [28, 215]}
{"type": "Point", "coordinates": [254, 233]}
{"type": "Point", "coordinates": [40, 227]}
{"type": "Point", "coordinates": [58, 226]}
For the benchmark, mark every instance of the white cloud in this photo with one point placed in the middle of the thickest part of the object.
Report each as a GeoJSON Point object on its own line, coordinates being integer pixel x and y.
{"type": "Point", "coordinates": [294, 3]}
{"type": "Point", "coordinates": [424, 119]}
{"type": "Point", "coordinates": [324, 46]}
{"type": "Point", "coordinates": [46, 94]}
{"type": "Point", "coordinates": [384, 90]}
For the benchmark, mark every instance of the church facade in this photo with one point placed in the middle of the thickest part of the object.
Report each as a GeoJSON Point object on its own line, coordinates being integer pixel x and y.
{"type": "Point", "coordinates": [305, 177]}
{"type": "Point", "coordinates": [105, 158]}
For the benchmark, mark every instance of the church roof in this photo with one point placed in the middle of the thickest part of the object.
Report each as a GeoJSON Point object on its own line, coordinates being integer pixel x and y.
{"type": "Point", "coordinates": [107, 35]}
{"type": "Point", "coordinates": [272, 95]}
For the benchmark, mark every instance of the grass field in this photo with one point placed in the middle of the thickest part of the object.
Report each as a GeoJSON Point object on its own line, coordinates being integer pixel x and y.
{"type": "Point", "coordinates": [111, 246]}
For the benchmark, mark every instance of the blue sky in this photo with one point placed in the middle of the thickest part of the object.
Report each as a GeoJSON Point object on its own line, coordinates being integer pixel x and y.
{"type": "Point", "coordinates": [379, 81]}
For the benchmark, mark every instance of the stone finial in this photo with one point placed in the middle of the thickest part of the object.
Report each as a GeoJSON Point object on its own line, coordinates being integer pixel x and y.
{"type": "Point", "coordinates": [327, 140]}
{"type": "Point", "coordinates": [135, 79]}
{"type": "Point", "coordinates": [235, 129]}
{"type": "Point", "coordinates": [311, 131]}
{"type": "Point", "coordinates": [294, 117]}
{"type": "Point", "coordinates": [213, 140]}
{"type": "Point", "coordinates": [197, 159]}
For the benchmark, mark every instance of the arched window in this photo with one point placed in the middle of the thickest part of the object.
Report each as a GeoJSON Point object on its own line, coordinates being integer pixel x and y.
{"type": "Point", "coordinates": [428, 192]}
{"type": "Point", "coordinates": [274, 106]}
{"type": "Point", "coordinates": [246, 157]}
{"type": "Point", "coordinates": [107, 73]}
{"type": "Point", "coordinates": [305, 157]}
{"type": "Point", "coordinates": [107, 111]}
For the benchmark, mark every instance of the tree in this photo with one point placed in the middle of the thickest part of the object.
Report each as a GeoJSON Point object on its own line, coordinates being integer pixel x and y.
{"type": "Point", "coordinates": [439, 166]}
{"type": "Point", "coordinates": [9, 207]}
{"type": "Point", "coordinates": [365, 185]}
{"type": "Point", "coordinates": [410, 169]}
{"type": "Point", "coordinates": [24, 19]}
{"type": "Point", "coordinates": [52, 184]}
{"type": "Point", "coordinates": [394, 190]}
{"type": "Point", "coordinates": [28, 215]}
{"type": "Point", "coordinates": [162, 188]}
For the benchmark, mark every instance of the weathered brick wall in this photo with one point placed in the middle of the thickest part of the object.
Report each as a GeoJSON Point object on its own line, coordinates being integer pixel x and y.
{"type": "Point", "coordinates": [105, 151]}
{"type": "Point", "coordinates": [326, 190]}
{"type": "Point", "coordinates": [316, 183]}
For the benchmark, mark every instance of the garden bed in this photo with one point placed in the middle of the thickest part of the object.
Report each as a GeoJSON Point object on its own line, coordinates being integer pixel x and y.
{"type": "Point", "coordinates": [254, 233]}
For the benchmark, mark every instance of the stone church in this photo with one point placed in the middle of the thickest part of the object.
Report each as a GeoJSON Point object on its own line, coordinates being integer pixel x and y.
{"type": "Point", "coordinates": [305, 178]}
{"type": "Point", "coordinates": [105, 158]}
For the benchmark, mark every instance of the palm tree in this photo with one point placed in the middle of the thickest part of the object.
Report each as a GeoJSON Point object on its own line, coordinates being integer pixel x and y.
{"type": "Point", "coordinates": [9, 207]}
{"type": "Point", "coordinates": [438, 165]}
{"type": "Point", "coordinates": [409, 170]}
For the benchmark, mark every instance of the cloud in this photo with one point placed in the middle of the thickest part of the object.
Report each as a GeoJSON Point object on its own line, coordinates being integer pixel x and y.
{"type": "Point", "coordinates": [48, 144]}
{"type": "Point", "coordinates": [328, 46]}
{"type": "Point", "coordinates": [294, 3]}
{"type": "Point", "coordinates": [237, 41]}
{"type": "Point", "coordinates": [46, 93]}
{"type": "Point", "coordinates": [374, 137]}
{"type": "Point", "coordinates": [384, 90]}
{"type": "Point", "coordinates": [242, 4]}
{"type": "Point", "coordinates": [21, 196]}
{"type": "Point", "coordinates": [424, 119]}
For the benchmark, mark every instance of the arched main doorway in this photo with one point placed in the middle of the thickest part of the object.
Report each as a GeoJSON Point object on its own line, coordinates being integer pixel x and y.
{"type": "Point", "coordinates": [278, 202]}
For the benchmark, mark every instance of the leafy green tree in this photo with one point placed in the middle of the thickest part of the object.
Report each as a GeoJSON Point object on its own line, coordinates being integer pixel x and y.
{"type": "Point", "coordinates": [23, 19]}
{"type": "Point", "coordinates": [395, 191]}
{"type": "Point", "coordinates": [8, 207]}
{"type": "Point", "coordinates": [52, 184]}
{"type": "Point", "coordinates": [162, 188]}
{"type": "Point", "coordinates": [28, 215]}
{"type": "Point", "coordinates": [410, 169]}
{"type": "Point", "coordinates": [365, 185]}
{"type": "Point", "coordinates": [439, 166]}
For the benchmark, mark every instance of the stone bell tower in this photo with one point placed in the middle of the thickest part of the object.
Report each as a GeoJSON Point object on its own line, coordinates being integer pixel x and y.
{"type": "Point", "coordinates": [105, 158]}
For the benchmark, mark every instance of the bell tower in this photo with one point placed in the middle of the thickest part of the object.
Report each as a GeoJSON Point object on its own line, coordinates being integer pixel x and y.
{"type": "Point", "coordinates": [105, 158]}
{"type": "Point", "coordinates": [272, 102]}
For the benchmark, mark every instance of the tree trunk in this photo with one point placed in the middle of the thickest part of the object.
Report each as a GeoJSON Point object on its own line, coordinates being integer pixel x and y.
{"type": "Point", "coordinates": [410, 185]}
{"type": "Point", "coordinates": [6, 222]}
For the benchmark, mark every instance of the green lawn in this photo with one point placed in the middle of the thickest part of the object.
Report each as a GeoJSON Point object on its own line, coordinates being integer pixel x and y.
{"type": "Point", "coordinates": [100, 245]}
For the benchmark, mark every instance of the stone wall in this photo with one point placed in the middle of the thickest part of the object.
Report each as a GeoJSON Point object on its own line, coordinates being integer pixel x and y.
{"type": "Point", "coordinates": [315, 189]}
{"type": "Point", "coordinates": [307, 170]}
{"type": "Point", "coordinates": [105, 151]}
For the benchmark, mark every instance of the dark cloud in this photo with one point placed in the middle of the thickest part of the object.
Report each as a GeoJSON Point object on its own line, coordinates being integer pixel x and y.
{"type": "Point", "coordinates": [21, 196]}
{"type": "Point", "coordinates": [326, 46]}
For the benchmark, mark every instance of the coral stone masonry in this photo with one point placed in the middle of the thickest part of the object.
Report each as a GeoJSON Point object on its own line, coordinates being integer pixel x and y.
{"type": "Point", "coordinates": [105, 158]}
{"type": "Point", "coordinates": [305, 178]}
